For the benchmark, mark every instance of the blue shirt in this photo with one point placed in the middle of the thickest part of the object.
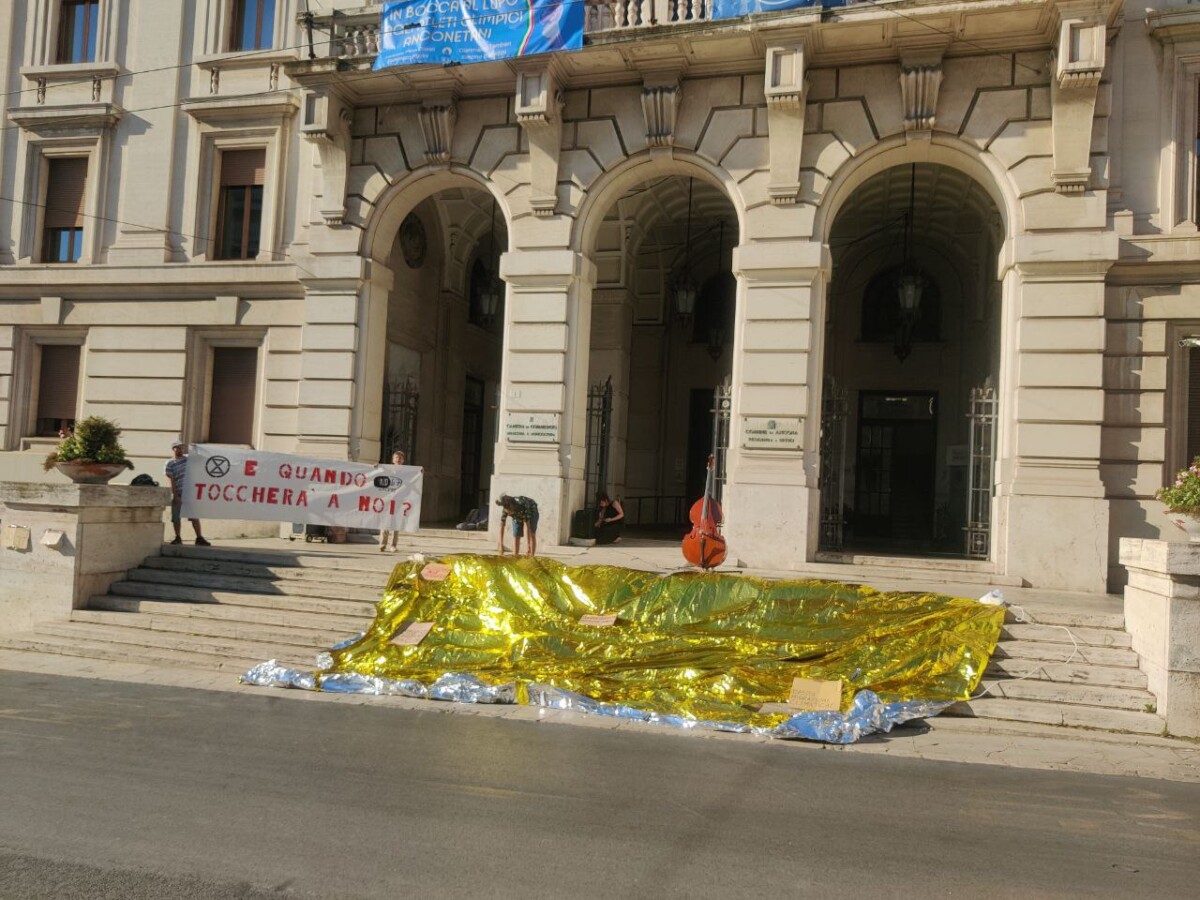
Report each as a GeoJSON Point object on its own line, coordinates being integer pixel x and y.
{"type": "Point", "coordinates": [176, 470]}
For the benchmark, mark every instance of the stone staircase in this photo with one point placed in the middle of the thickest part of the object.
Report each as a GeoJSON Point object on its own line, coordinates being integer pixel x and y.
{"type": "Point", "coordinates": [229, 609]}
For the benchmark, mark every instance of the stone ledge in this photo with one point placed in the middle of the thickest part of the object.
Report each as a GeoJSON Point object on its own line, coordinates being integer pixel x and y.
{"type": "Point", "coordinates": [1165, 557]}
{"type": "Point", "coordinates": [32, 495]}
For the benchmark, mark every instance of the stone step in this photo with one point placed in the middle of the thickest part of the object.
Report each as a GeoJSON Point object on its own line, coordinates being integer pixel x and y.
{"type": "Point", "coordinates": [1067, 714]}
{"type": "Point", "coordinates": [275, 573]}
{"type": "Point", "coordinates": [1033, 689]}
{"type": "Point", "coordinates": [1067, 673]}
{"type": "Point", "coordinates": [100, 647]}
{"type": "Point", "coordinates": [961, 571]}
{"type": "Point", "coordinates": [1070, 618]}
{"type": "Point", "coordinates": [196, 644]}
{"type": "Point", "coordinates": [251, 615]}
{"type": "Point", "coordinates": [357, 561]}
{"type": "Point", "coordinates": [215, 581]}
{"type": "Point", "coordinates": [307, 638]}
{"type": "Point", "coordinates": [1054, 634]}
{"type": "Point", "coordinates": [1040, 650]}
{"type": "Point", "coordinates": [153, 591]}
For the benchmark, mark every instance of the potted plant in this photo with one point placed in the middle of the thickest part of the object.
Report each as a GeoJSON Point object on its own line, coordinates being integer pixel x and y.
{"type": "Point", "coordinates": [1182, 500]}
{"type": "Point", "coordinates": [91, 453]}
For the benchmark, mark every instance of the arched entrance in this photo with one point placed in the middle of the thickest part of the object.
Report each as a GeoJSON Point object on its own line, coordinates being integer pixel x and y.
{"type": "Point", "coordinates": [444, 325]}
{"type": "Point", "coordinates": [912, 347]}
{"type": "Point", "coordinates": [662, 336]}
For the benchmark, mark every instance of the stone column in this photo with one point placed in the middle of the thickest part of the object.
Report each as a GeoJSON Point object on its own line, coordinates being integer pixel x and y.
{"type": "Point", "coordinates": [65, 543]}
{"type": "Point", "coordinates": [772, 503]}
{"type": "Point", "coordinates": [1052, 513]}
{"type": "Point", "coordinates": [1162, 614]}
{"type": "Point", "coordinates": [543, 405]}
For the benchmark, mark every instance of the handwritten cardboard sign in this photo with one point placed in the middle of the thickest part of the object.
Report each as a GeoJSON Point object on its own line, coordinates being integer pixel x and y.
{"type": "Point", "coordinates": [435, 572]}
{"type": "Point", "coordinates": [413, 634]}
{"type": "Point", "coordinates": [814, 695]}
{"type": "Point", "coordinates": [598, 621]}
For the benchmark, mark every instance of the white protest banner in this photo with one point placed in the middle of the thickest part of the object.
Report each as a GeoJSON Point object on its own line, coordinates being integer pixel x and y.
{"type": "Point", "coordinates": [237, 483]}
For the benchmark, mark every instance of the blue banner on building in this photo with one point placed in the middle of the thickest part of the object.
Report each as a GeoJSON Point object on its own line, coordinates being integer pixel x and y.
{"type": "Point", "coordinates": [735, 9]}
{"type": "Point", "coordinates": [467, 31]}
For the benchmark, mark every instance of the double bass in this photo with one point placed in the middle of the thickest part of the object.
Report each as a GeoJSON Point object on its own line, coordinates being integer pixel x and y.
{"type": "Point", "coordinates": [704, 546]}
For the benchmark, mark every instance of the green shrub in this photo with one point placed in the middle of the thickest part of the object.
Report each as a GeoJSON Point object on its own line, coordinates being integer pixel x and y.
{"type": "Point", "coordinates": [94, 440]}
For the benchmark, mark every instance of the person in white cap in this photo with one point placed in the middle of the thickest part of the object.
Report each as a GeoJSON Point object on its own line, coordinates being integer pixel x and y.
{"type": "Point", "coordinates": [176, 472]}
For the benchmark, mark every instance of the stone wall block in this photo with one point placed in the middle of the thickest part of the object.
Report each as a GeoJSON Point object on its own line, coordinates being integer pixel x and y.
{"type": "Point", "coordinates": [1019, 140]}
{"type": "Point", "coordinates": [725, 128]}
{"type": "Point", "coordinates": [1060, 404]}
{"type": "Point", "coordinates": [823, 152]}
{"type": "Point", "coordinates": [1061, 370]}
{"type": "Point", "coordinates": [879, 86]}
{"type": "Point", "coordinates": [624, 106]}
{"type": "Point", "coordinates": [718, 93]}
{"type": "Point", "coordinates": [1133, 444]}
{"type": "Point", "coordinates": [747, 155]}
{"type": "Point", "coordinates": [386, 155]}
{"type": "Point", "coordinates": [775, 368]}
{"type": "Point", "coordinates": [848, 121]}
{"type": "Point", "coordinates": [774, 400]}
{"type": "Point", "coordinates": [776, 335]}
{"type": "Point", "coordinates": [366, 181]}
{"type": "Point", "coordinates": [1060, 335]}
{"type": "Point", "coordinates": [145, 338]}
{"type": "Point", "coordinates": [599, 138]}
{"type": "Point", "coordinates": [993, 109]}
{"type": "Point", "coordinates": [962, 77]}
{"type": "Point", "coordinates": [495, 145]}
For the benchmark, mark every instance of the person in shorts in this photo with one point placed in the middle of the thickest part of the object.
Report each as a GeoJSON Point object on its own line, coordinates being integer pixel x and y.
{"type": "Point", "coordinates": [397, 460]}
{"type": "Point", "coordinates": [176, 472]}
{"type": "Point", "coordinates": [524, 513]}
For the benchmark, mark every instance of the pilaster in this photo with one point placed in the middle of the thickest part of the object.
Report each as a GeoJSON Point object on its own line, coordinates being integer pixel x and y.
{"type": "Point", "coordinates": [1052, 500]}
{"type": "Point", "coordinates": [543, 410]}
{"type": "Point", "coordinates": [771, 491]}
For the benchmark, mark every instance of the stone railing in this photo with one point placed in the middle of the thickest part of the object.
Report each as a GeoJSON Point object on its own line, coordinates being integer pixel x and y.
{"type": "Point", "coordinates": [355, 34]}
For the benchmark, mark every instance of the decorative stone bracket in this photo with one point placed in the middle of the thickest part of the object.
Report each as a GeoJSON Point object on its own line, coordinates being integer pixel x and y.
{"type": "Point", "coordinates": [1078, 67]}
{"type": "Point", "coordinates": [919, 87]}
{"type": "Point", "coordinates": [438, 115]}
{"type": "Point", "coordinates": [539, 111]}
{"type": "Point", "coordinates": [660, 106]}
{"type": "Point", "coordinates": [785, 89]}
{"type": "Point", "coordinates": [326, 125]}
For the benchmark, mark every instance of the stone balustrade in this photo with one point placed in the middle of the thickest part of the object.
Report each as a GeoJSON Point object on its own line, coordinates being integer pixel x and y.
{"type": "Point", "coordinates": [356, 35]}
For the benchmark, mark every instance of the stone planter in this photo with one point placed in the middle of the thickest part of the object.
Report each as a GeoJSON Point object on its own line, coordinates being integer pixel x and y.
{"type": "Point", "coordinates": [1189, 524]}
{"type": "Point", "coordinates": [90, 472]}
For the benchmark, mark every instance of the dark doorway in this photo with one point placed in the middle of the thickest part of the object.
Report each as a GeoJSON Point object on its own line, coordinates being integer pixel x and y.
{"type": "Point", "coordinates": [472, 446]}
{"type": "Point", "coordinates": [895, 472]}
{"type": "Point", "coordinates": [700, 439]}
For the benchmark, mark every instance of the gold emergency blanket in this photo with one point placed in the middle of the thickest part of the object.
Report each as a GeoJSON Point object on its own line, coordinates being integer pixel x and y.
{"type": "Point", "coordinates": [708, 646]}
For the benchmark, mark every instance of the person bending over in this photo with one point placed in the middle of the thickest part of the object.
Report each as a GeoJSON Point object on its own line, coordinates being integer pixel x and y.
{"type": "Point", "coordinates": [609, 520]}
{"type": "Point", "coordinates": [524, 513]}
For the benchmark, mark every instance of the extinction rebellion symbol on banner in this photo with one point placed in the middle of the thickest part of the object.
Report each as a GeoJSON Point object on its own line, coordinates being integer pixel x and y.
{"type": "Point", "coordinates": [217, 466]}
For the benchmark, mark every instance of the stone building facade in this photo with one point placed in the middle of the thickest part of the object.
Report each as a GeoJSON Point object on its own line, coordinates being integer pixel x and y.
{"type": "Point", "coordinates": [920, 273]}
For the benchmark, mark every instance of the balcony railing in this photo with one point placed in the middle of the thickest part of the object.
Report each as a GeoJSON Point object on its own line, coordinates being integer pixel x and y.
{"type": "Point", "coordinates": [355, 35]}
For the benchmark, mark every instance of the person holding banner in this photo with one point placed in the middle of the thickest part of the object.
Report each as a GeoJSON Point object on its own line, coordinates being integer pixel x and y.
{"type": "Point", "coordinates": [524, 513]}
{"type": "Point", "coordinates": [397, 460]}
{"type": "Point", "coordinates": [176, 472]}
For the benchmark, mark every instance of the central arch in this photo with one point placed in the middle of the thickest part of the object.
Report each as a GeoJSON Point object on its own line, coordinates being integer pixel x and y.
{"type": "Point", "coordinates": [912, 341]}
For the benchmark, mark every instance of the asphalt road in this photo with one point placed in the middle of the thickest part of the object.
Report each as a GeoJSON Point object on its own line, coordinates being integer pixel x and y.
{"type": "Point", "coordinates": [112, 790]}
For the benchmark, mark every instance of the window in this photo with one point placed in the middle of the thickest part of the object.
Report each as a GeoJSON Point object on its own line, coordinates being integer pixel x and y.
{"type": "Point", "coordinates": [66, 185]}
{"type": "Point", "coordinates": [77, 27]}
{"type": "Point", "coordinates": [253, 24]}
{"type": "Point", "coordinates": [232, 395]}
{"type": "Point", "coordinates": [57, 389]}
{"type": "Point", "coordinates": [240, 205]}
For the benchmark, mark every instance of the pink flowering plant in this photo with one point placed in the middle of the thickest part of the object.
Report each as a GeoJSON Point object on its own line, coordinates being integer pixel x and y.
{"type": "Point", "coordinates": [1184, 495]}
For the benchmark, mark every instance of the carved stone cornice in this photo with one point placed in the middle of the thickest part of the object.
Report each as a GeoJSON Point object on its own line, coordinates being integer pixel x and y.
{"type": "Point", "coordinates": [438, 115]}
